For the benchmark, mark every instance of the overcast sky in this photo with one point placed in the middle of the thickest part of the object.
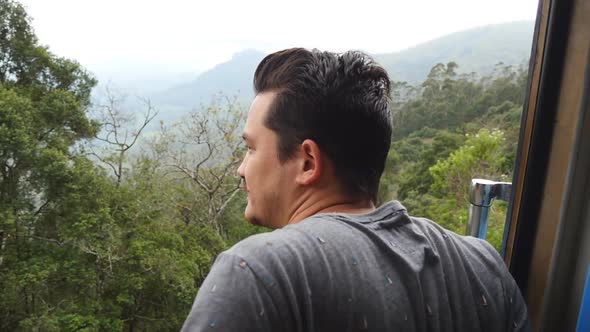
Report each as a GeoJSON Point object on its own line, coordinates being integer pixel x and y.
{"type": "Point", "coordinates": [195, 35]}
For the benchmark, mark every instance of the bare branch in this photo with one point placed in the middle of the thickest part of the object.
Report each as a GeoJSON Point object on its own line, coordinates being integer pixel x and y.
{"type": "Point", "coordinates": [59, 243]}
{"type": "Point", "coordinates": [147, 119]}
{"type": "Point", "coordinates": [104, 161]}
{"type": "Point", "coordinates": [148, 318]}
{"type": "Point", "coordinates": [192, 177]}
{"type": "Point", "coordinates": [226, 201]}
{"type": "Point", "coordinates": [117, 133]}
{"type": "Point", "coordinates": [41, 208]}
{"type": "Point", "coordinates": [206, 150]}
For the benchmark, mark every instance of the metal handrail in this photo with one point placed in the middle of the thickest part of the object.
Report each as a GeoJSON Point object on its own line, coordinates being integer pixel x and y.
{"type": "Point", "coordinates": [482, 194]}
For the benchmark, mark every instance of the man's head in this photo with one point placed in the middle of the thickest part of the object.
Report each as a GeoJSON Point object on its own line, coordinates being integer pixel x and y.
{"type": "Point", "coordinates": [319, 124]}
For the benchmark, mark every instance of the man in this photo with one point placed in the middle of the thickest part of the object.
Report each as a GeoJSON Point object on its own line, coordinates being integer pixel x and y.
{"type": "Point", "coordinates": [318, 133]}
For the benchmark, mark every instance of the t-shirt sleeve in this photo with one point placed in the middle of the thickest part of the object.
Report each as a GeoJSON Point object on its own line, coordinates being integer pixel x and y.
{"type": "Point", "coordinates": [232, 298]}
{"type": "Point", "coordinates": [518, 319]}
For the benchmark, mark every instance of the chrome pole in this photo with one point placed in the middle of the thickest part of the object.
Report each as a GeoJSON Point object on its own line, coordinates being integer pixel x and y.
{"type": "Point", "coordinates": [481, 196]}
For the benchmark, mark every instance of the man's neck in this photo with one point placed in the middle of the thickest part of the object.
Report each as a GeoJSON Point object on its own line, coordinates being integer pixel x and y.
{"type": "Point", "coordinates": [310, 206]}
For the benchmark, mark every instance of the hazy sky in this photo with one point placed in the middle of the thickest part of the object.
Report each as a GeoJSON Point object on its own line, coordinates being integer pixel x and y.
{"type": "Point", "coordinates": [195, 35]}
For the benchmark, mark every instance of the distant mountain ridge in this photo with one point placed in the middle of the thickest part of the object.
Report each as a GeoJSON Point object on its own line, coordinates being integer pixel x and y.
{"type": "Point", "coordinates": [233, 77]}
{"type": "Point", "coordinates": [474, 50]}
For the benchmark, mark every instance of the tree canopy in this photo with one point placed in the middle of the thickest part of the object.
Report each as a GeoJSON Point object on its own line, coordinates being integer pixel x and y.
{"type": "Point", "coordinates": [100, 233]}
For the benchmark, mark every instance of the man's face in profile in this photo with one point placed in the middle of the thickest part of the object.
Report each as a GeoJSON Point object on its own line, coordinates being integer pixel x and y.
{"type": "Point", "coordinates": [268, 182]}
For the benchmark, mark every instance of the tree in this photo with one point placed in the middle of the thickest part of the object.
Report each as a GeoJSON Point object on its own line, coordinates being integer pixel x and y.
{"type": "Point", "coordinates": [117, 132]}
{"type": "Point", "coordinates": [445, 101]}
{"type": "Point", "coordinates": [480, 157]}
{"type": "Point", "coordinates": [206, 148]}
{"type": "Point", "coordinates": [457, 127]}
{"type": "Point", "coordinates": [43, 103]}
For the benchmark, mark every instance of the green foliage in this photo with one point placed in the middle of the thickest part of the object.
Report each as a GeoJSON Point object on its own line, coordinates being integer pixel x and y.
{"type": "Point", "coordinates": [42, 113]}
{"type": "Point", "coordinates": [445, 102]}
{"type": "Point", "coordinates": [447, 131]}
{"type": "Point", "coordinates": [81, 250]}
{"type": "Point", "coordinates": [479, 157]}
{"type": "Point", "coordinates": [78, 250]}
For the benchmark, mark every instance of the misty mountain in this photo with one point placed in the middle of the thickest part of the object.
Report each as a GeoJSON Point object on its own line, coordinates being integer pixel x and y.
{"type": "Point", "coordinates": [232, 78]}
{"type": "Point", "coordinates": [138, 77]}
{"type": "Point", "coordinates": [475, 50]}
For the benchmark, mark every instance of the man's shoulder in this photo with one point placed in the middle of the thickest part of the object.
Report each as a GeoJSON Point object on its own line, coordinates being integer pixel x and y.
{"type": "Point", "coordinates": [289, 240]}
{"type": "Point", "coordinates": [258, 243]}
{"type": "Point", "coordinates": [469, 248]}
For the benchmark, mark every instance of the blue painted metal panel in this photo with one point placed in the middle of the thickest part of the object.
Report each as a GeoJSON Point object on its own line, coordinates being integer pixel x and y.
{"type": "Point", "coordinates": [584, 315]}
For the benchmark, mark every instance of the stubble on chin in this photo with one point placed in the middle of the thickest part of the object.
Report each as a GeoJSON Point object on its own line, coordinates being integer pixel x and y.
{"type": "Point", "coordinates": [267, 213]}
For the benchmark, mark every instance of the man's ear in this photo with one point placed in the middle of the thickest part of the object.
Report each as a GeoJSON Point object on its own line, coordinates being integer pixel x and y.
{"type": "Point", "coordinates": [311, 163]}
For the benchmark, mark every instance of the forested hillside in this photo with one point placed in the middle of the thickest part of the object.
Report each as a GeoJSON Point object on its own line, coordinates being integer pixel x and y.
{"type": "Point", "coordinates": [94, 238]}
{"type": "Point", "coordinates": [448, 130]}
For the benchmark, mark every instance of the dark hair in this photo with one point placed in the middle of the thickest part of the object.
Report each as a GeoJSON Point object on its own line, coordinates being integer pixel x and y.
{"type": "Point", "coordinates": [340, 101]}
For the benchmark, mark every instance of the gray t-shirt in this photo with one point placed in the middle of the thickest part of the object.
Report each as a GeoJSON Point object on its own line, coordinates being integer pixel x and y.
{"type": "Point", "coordinates": [382, 271]}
